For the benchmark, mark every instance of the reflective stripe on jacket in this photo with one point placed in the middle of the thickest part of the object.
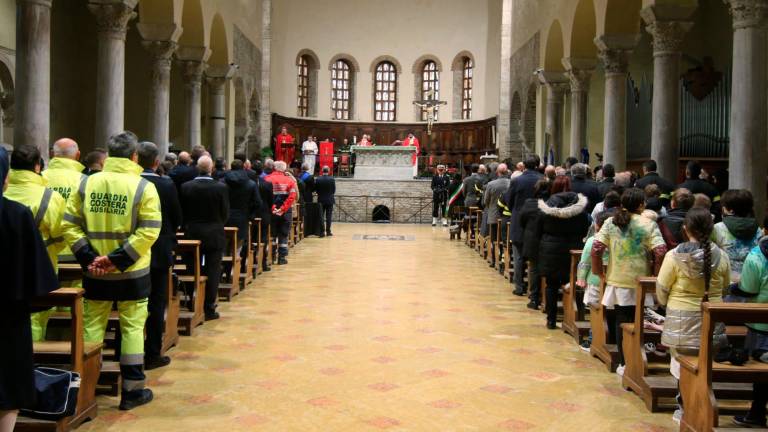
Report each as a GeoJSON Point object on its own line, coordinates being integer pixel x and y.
{"type": "Point", "coordinates": [64, 176]}
{"type": "Point", "coordinates": [117, 213]}
{"type": "Point", "coordinates": [47, 207]}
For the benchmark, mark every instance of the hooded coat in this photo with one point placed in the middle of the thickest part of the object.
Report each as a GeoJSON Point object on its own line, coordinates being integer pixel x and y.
{"type": "Point", "coordinates": [244, 200]}
{"type": "Point", "coordinates": [737, 236]}
{"type": "Point", "coordinates": [564, 223]}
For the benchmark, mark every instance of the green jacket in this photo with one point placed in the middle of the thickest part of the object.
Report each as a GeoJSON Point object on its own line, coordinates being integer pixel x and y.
{"type": "Point", "coordinates": [754, 277]}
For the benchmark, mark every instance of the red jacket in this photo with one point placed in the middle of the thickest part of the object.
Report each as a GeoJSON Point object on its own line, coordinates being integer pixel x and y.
{"type": "Point", "coordinates": [284, 189]}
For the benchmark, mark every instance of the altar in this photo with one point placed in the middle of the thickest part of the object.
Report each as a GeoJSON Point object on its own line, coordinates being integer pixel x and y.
{"type": "Point", "coordinates": [383, 162]}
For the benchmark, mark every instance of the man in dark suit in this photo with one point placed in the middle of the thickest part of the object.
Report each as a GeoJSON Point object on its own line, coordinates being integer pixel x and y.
{"type": "Point", "coordinates": [205, 203]}
{"type": "Point", "coordinates": [325, 186]}
{"type": "Point", "coordinates": [520, 189]}
{"type": "Point", "coordinates": [186, 169]}
{"type": "Point", "coordinates": [609, 172]}
{"type": "Point", "coordinates": [162, 255]}
{"type": "Point", "coordinates": [265, 211]}
{"type": "Point", "coordinates": [587, 187]}
{"type": "Point", "coordinates": [650, 176]}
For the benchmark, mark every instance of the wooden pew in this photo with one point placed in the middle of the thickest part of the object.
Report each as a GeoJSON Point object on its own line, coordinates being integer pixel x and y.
{"type": "Point", "coordinates": [79, 356]}
{"type": "Point", "coordinates": [230, 286]}
{"type": "Point", "coordinates": [492, 255]}
{"type": "Point", "coordinates": [172, 309]}
{"type": "Point", "coordinates": [506, 261]}
{"type": "Point", "coordinates": [257, 249]}
{"type": "Point", "coordinates": [574, 322]}
{"type": "Point", "coordinates": [246, 277]}
{"type": "Point", "coordinates": [698, 373]}
{"type": "Point", "coordinates": [471, 227]}
{"type": "Point", "coordinates": [480, 240]}
{"type": "Point", "coordinates": [648, 378]}
{"type": "Point", "coordinates": [600, 348]}
{"type": "Point", "coordinates": [195, 282]}
{"type": "Point", "coordinates": [458, 218]}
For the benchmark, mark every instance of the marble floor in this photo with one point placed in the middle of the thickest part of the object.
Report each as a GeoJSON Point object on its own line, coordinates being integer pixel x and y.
{"type": "Point", "coordinates": [355, 334]}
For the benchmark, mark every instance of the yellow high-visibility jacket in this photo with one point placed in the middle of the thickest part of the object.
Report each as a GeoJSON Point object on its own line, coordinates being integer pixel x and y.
{"type": "Point", "coordinates": [64, 176]}
{"type": "Point", "coordinates": [29, 188]}
{"type": "Point", "coordinates": [115, 213]}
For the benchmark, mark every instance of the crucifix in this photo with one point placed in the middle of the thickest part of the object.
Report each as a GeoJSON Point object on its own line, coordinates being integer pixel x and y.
{"type": "Point", "coordinates": [430, 105]}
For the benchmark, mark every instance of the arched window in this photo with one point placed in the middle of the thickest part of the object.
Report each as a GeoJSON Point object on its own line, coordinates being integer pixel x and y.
{"type": "Point", "coordinates": [341, 90]}
{"type": "Point", "coordinates": [430, 86]}
{"type": "Point", "coordinates": [385, 92]}
{"type": "Point", "coordinates": [302, 87]}
{"type": "Point", "coordinates": [466, 89]}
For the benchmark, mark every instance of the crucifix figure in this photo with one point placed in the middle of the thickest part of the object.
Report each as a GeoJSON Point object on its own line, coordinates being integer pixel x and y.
{"type": "Point", "coordinates": [430, 104]}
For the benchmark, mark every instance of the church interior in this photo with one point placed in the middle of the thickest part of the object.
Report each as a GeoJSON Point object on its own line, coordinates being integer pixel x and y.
{"type": "Point", "coordinates": [185, 268]}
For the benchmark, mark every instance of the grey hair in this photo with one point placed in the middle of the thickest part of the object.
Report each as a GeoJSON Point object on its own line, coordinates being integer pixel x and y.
{"type": "Point", "coordinates": [281, 166]}
{"type": "Point", "coordinates": [147, 154]}
{"type": "Point", "coordinates": [171, 157]}
{"type": "Point", "coordinates": [269, 164]}
{"type": "Point", "coordinates": [305, 167]}
{"type": "Point", "coordinates": [205, 165]}
{"type": "Point", "coordinates": [123, 144]}
{"type": "Point", "coordinates": [578, 170]}
{"type": "Point", "coordinates": [67, 151]}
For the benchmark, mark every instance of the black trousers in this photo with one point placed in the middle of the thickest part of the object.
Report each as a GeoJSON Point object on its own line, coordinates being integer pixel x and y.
{"type": "Point", "coordinates": [553, 286]}
{"type": "Point", "coordinates": [158, 302]}
{"type": "Point", "coordinates": [212, 269]}
{"type": "Point", "coordinates": [328, 217]}
{"type": "Point", "coordinates": [533, 275]}
{"type": "Point", "coordinates": [438, 206]}
{"type": "Point", "coordinates": [281, 229]}
{"type": "Point", "coordinates": [624, 314]}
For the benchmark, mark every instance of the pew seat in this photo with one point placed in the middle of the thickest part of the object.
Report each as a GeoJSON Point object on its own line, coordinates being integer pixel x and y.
{"type": "Point", "coordinates": [194, 282]}
{"type": "Point", "coordinates": [230, 285]}
{"type": "Point", "coordinates": [574, 321]}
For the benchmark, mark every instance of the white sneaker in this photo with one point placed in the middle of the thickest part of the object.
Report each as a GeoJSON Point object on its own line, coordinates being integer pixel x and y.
{"type": "Point", "coordinates": [434, 221]}
{"type": "Point", "coordinates": [445, 222]}
{"type": "Point", "coordinates": [677, 416]}
{"type": "Point", "coordinates": [620, 370]}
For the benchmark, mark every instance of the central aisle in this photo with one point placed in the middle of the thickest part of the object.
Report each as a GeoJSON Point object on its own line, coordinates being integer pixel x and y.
{"type": "Point", "coordinates": [358, 335]}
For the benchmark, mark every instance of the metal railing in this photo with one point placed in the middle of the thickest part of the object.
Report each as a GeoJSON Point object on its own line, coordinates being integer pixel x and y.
{"type": "Point", "coordinates": [401, 209]}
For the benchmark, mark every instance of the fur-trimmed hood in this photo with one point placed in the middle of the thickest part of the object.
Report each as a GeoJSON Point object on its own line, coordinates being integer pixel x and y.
{"type": "Point", "coordinates": [650, 214]}
{"type": "Point", "coordinates": [564, 205]}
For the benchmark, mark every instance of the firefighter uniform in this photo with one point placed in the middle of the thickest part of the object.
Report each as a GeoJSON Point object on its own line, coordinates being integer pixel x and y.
{"type": "Point", "coordinates": [116, 213]}
{"type": "Point", "coordinates": [64, 176]}
{"type": "Point", "coordinates": [29, 188]}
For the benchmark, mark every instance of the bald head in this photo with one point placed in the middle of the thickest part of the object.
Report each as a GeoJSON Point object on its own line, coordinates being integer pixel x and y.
{"type": "Point", "coordinates": [482, 169]}
{"type": "Point", "coordinates": [549, 172]}
{"type": "Point", "coordinates": [205, 165]}
{"type": "Point", "coordinates": [520, 166]}
{"type": "Point", "coordinates": [185, 158]}
{"type": "Point", "coordinates": [66, 148]}
{"type": "Point", "coordinates": [502, 169]}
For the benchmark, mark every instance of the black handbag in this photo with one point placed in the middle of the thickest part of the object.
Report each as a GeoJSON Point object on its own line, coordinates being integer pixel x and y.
{"type": "Point", "coordinates": [57, 391]}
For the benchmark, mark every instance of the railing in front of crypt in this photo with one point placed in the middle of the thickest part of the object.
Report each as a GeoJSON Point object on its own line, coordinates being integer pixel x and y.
{"type": "Point", "coordinates": [375, 208]}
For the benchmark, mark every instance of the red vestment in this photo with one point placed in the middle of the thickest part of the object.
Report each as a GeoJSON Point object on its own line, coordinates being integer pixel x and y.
{"type": "Point", "coordinates": [413, 143]}
{"type": "Point", "coordinates": [285, 148]}
{"type": "Point", "coordinates": [326, 155]}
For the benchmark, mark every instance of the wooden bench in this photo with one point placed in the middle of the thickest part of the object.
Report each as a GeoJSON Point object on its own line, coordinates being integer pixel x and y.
{"type": "Point", "coordinates": [698, 373]}
{"type": "Point", "coordinates": [600, 348]}
{"type": "Point", "coordinates": [257, 249]}
{"type": "Point", "coordinates": [480, 240]}
{"type": "Point", "coordinates": [574, 321]}
{"type": "Point", "coordinates": [505, 266]}
{"type": "Point", "coordinates": [194, 283]}
{"type": "Point", "coordinates": [230, 285]}
{"type": "Point", "coordinates": [471, 227]}
{"type": "Point", "coordinates": [172, 310]}
{"type": "Point", "coordinates": [246, 277]}
{"type": "Point", "coordinates": [458, 218]}
{"type": "Point", "coordinates": [77, 355]}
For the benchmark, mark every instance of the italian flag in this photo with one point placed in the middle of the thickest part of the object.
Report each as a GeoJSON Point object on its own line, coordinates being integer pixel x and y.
{"type": "Point", "coordinates": [454, 197]}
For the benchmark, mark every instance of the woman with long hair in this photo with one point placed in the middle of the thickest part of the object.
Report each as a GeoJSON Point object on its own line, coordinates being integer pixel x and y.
{"type": "Point", "coordinates": [630, 239]}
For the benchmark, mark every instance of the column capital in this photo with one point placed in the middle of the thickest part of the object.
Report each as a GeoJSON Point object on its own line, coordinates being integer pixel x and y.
{"type": "Point", "coordinates": [614, 51]}
{"type": "Point", "coordinates": [193, 71]}
{"type": "Point", "coordinates": [748, 13]}
{"type": "Point", "coordinates": [668, 26]}
{"type": "Point", "coordinates": [160, 50]}
{"type": "Point", "coordinates": [112, 17]}
{"type": "Point", "coordinates": [579, 71]}
{"type": "Point", "coordinates": [217, 76]}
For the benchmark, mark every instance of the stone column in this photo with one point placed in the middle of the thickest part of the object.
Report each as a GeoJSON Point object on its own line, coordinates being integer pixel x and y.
{"type": "Point", "coordinates": [503, 126]}
{"type": "Point", "coordinates": [668, 29]}
{"type": "Point", "coordinates": [160, 41]}
{"type": "Point", "coordinates": [111, 24]}
{"type": "Point", "coordinates": [747, 158]}
{"type": "Point", "coordinates": [33, 72]}
{"type": "Point", "coordinates": [192, 61]}
{"type": "Point", "coordinates": [614, 52]}
{"type": "Point", "coordinates": [265, 112]}
{"type": "Point", "coordinates": [557, 84]}
{"type": "Point", "coordinates": [217, 78]}
{"type": "Point", "coordinates": [579, 72]}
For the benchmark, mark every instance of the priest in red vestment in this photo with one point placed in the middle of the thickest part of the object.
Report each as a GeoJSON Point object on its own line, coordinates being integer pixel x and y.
{"type": "Point", "coordinates": [412, 141]}
{"type": "Point", "coordinates": [284, 147]}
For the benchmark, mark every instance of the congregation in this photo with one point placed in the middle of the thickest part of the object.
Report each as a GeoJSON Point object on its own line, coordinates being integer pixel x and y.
{"type": "Point", "coordinates": [595, 236]}
{"type": "Point", "coordinates": [121, 222]}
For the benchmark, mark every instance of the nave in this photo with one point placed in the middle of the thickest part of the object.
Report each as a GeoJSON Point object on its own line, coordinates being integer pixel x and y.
{"type": "Point", "coordinates": [414, 334]}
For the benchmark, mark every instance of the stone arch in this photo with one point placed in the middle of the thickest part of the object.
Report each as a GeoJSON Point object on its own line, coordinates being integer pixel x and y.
{"type": "Point", "coordinates": [458, 62]}
{"type": "Point", "coordinates": [583, 30]}
{"type": "Point", "coordinates": [219, 42]}
{"type": "Point", "coordinates": [383, 58]}
{"type": "Point", "coordinates": [314, 60]}
{"type": "Point", "coordinates": [553, 51]}
{"type": "Point", "coordinates": [160, 11]}
{"type": "Point", "coordinates": [351, 60]}
{"type": "Point", "coordinates": [6, 94]}
{"type": "Point", "coordinates": [619, 17]}
{"type": "Point", "coordinates": [194, 33]}
{"type": "Point", "coordinates": [516, 117]}
{"type": "Point", "coordinates": [529, 120]}
{"type": "Point", "coordinates": [419, 63]}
